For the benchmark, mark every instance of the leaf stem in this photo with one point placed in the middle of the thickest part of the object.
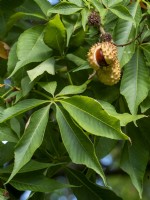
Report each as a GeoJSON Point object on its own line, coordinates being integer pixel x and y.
{"type": "Point", "coordinates": [42, 94]}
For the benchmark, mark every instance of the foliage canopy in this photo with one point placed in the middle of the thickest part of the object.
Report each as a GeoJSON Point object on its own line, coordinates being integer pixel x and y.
{"type": "Point", "coordinates": [54, 118]}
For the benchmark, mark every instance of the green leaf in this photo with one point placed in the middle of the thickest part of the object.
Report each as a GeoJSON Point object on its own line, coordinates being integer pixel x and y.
{"type": "Point", "coordinates": [55, 34]}
{"type": "Point", "coordinates": [44, 5]}
{"type": "Point", "coordinates": [26, 85]}
{"type": "Point", "coordinates": [34, 49]}
{"type": "Point", "coordinates": [64, 8]}
{"type": "Point", "coordinates": [32, 165]}
{"type": "Point", "coordinates": [17, 16]}
{"type": "Point", "coordinates": [71, 25]}
{"type": "Point", "coordinates": [35, 182]}
{"type": "Point", "coordinates": [90, 115]}
{"type": "Point", "coordinates": [124, 118]}
{"type": "Point", "coordinates": [15, 126]}
{"type": "Point", "coordinates": [145, 105]}
{"type": "Point", "coordinates": [78, 145]}
{"type": "Point", "coordinates": [31, 139]}
{"type": "Point", "coordinates": [125, 32]}
{"type": "Point", "coordinates": [78, 38]}
{"type": "Point", "coordinates": [103, 146]}
{"type": "Point", "coordinates": [73, 89]}
{"type": "Point", "coordinates": [135, 158]}
{"type": "Point", "coordinates": [146, 50]}
{"type": "Point", "coordinates": [12, 58]}
{"type": "Point", "coordinates": [6, 134]}
{"type": "Point", "coordinates": [50, 87]}
{"type": "Point", "coordinates": [135, 82]}
{"type": "Point", "coordinates": [77, 60]}
{"type": "Point", "coordinates": [45, 66]}
{"type": "Point", "coordinates": [6, 153]}
{"type": "Point", "coordinates": [88, 190]}
{"type": "Point", "coordinates": [122, 12]}
{"type": "Point", "coordinates": [85, 13]}
{"type": "Point", "coordinates": [77, 2]}
{"type": "Point", "coordinates": [114, 2]}
{"type": "Point", "coordinates": [19, 108]}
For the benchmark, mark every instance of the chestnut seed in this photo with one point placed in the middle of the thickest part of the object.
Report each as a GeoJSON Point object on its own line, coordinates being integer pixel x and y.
{"type": "Point", "coordinates": [100, 58]}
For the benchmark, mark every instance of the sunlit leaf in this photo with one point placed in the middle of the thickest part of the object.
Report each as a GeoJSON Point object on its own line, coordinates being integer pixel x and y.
{"type": "Point", "coordinates": [90, 115]}
{"type": "Point", "coordinates": [55, 34]}
{"type": "Point", "coordinates": [44, 5]}
{"type": "Point", "coordinates": [34, 49]}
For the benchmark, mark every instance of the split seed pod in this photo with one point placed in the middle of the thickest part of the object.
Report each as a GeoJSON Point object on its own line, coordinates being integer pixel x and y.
{"type": "Point", "coordinates": [102, 54]}
{"type": "Point", "coordinates": [109, 75]}
{"type": "Point", "coordinates": [103, 58]}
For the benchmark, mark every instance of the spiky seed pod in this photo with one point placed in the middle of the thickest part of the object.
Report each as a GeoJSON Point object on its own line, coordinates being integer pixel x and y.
{"type": "Point", "coordinates": [94, 19]}
{"type": "Point", "coordinates": [110, 75]}
{"type": "Point", "coordinates": [102, 54]}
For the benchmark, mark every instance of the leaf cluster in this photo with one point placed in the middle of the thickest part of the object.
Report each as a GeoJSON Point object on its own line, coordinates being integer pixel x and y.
{"type": "Point", "coordinates": [57, 121]}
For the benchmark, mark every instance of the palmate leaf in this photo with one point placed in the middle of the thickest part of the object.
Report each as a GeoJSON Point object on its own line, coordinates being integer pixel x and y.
{"type": "Point", "coordinates": [135, 157]}
{"type": "Point", "coordinates": [78, 145]}
{"type": "Point", "coordinates": [86, 189]}
{"type": "Point", "coordinates": [135, 81]}
{"type": "Point", "coordinates": [125, 32]}
{"type": "Point", "coordinates": [20, 108]}
{"type": "Point", "coordinates": [34, 49]}
{"type": "Point", "coordinates": [90, 115]}
{"type": "Point", "coordinates": [31, 139]}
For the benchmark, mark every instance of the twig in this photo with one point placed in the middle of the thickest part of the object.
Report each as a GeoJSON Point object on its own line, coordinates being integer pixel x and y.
{"type": "Point", "coordinates": [92, 75]}
{"type": "Point", "coordinates": [121, 45]}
